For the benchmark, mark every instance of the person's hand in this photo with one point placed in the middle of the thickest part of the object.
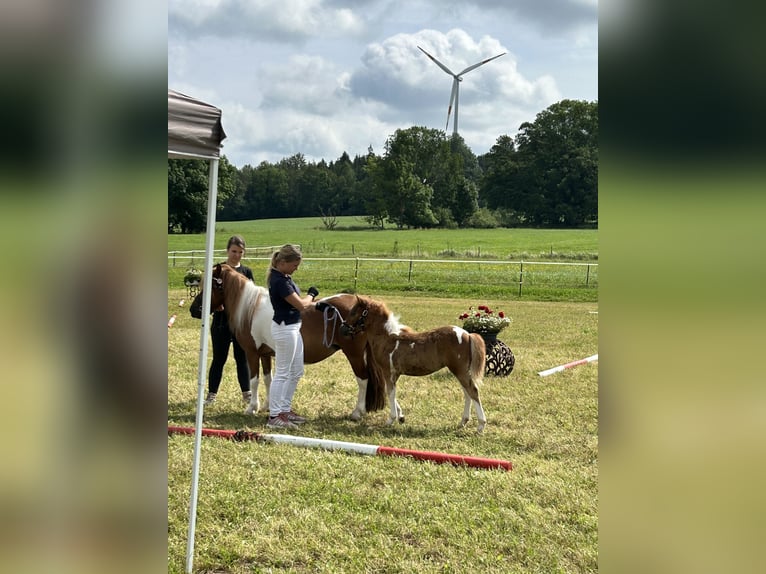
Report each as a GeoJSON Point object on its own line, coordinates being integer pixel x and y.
{"type": "Point", "coordinates": [313, 291]}
{"type": "Point", "coordinates": [321, 306]}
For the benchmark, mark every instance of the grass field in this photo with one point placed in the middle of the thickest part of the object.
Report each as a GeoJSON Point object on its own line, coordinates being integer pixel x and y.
{"type": "Point", "coordinates": [469, 262]}
{"type": "Point", "coordinates": [277, 508]}
{"type": "Point", "coordinates": [353, 237]}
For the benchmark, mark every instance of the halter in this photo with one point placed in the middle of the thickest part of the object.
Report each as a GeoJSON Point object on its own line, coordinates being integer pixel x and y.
{"type": "Point", "coordinates": [357, 327]}
{"type": "Point", "coordinates": [331, 313]}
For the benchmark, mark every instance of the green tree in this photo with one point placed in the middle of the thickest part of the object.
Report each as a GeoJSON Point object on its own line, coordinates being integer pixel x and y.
{"type": "Point", "coordinates": [188, 188]}
{"type": "Point", "coordinates": [559, 152]}
{"type": "Point", "coordinates": [422, 177]}
{"type": "Point", "coordinates": [549, 175]}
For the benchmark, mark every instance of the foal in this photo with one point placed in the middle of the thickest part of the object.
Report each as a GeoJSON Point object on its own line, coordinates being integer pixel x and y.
{"type": "Point", "coordinates": [398, 350]}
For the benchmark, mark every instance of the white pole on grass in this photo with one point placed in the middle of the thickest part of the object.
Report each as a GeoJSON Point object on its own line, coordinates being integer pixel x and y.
{"type": "Point", "coordinates": [547, 372]}
{"type": "Point", "coordinates": [202, 368]}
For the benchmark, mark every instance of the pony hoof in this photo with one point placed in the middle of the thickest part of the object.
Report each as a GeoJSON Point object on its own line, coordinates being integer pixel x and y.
{"type": "Point", "coordinates": [401, 420]}
{"type": "Point", "coordinates": [480, 428]}
{"type": "Point", "coordinates": [356, 416]}
{"type": "Point", "coordinates": [463, 423]}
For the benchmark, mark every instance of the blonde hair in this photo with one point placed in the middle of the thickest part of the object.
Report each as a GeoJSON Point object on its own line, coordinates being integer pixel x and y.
{"type": "Point", "coordinates": [288, 252]}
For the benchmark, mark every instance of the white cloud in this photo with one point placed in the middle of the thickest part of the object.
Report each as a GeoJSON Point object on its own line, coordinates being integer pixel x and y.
{"type": "Point", "coordinates": [296, 76]}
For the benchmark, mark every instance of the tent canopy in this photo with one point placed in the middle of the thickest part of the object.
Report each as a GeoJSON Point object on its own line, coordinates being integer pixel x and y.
{"type": "Point", "coordinates": [194, 128]}
{"type": "Point", "coordinates": [195, 131]}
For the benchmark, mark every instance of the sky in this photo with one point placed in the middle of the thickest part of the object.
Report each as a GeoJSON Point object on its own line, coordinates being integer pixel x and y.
{"type": "Point", "coordinates": [323, 77]}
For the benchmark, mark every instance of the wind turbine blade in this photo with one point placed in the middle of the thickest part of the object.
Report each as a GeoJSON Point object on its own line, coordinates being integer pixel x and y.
{"type": "Point", "coordinates": [437, 62]}
{"type": "Point", "coordinates": [469, 68]}
{"type": "Point", "coordinates": [455, 88]}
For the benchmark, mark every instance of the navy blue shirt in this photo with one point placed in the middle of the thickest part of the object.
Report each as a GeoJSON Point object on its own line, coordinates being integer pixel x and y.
{"type": "Point", "coordinates": [281, 286]}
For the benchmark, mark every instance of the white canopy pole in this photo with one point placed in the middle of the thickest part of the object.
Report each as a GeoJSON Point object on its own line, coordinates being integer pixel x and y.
{"type": "Point", "coordinates": [202, 368]}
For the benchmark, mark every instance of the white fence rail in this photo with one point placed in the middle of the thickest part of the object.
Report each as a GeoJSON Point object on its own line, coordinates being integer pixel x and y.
{"type": "Point", "coordinates": [365, 271]}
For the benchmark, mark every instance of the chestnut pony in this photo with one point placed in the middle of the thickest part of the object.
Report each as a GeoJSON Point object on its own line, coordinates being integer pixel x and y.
{"type": "Point", "coordinates": [398, 350]}
{"type": "Point", "coordinates": [250, 313]}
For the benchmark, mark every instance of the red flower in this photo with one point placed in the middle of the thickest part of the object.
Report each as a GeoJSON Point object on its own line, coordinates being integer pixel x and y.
{"type": "Point", "coordinates": [501, 315]}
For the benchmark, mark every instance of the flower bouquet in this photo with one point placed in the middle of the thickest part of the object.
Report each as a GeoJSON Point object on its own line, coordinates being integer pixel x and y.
{"type": "Point", "coordinates": [193, 277]}
{"type": "Point", "coordinates": [484, 320]}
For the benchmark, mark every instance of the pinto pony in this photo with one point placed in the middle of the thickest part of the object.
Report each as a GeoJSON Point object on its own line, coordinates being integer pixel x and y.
{"type": "Point", "coordinates": [250, 313]}
{"type": "Point", "coordinates": [398, 350]}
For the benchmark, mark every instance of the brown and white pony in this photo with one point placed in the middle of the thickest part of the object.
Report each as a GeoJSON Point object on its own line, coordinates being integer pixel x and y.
{"type": "Point", "coordinates": [250, 314]}
{"type": "Point", "coordinates": [398, 350]}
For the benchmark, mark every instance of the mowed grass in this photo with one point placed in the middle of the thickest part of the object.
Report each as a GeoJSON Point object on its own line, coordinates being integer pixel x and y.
{"type": "Point", "coordinates": [278, 508]}
{"type": "Point", "coordinates": [466, 262]}
{"type": "Point", "coordinates": [353, 237]}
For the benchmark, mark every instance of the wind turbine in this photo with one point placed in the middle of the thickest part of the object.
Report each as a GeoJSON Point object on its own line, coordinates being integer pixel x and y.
{"type": "Point", "coordinates": [456, 79]}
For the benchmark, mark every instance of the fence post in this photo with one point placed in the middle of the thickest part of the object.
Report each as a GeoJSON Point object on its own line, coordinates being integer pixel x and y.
{"type": "Point", "coordinates": [521, 276]}
{"type": "Point", "coordinates": [174, 258]}
{"type": "Point", "coordinates": [587, 275]}
{"type": "Point", "coordinates": [409, 274]}
{"type": "Point", "coordinates": [356, 272]}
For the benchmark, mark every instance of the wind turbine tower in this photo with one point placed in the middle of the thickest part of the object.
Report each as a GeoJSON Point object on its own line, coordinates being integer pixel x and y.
{"type": "Point", "coordinates": [456, 79]}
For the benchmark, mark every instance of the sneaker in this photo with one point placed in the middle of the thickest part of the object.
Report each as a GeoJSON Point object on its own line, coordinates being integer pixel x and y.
{"type": "Point", "coordinates": [210, 399]}
{"type": "Point", "coordinates": [294, 417]}
{"type": "Point", "coordinates": [280, 422]}
{"type": "Point", "coordinates": [246, 396]}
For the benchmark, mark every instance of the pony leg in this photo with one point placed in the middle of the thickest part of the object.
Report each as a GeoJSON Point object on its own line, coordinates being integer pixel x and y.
{"type": "Point", "coordinates": [267, 387]}
{"type": "Point", "coordinates": [396, 413]}
{"type": "Point", "coordinates": [480, 415]}
{"type": "Point", "coordinates": [360, 409]}
{"type": "Point", "coordinates": [466, 409]}
{"type": "Point", "coordinates": [254, 405]}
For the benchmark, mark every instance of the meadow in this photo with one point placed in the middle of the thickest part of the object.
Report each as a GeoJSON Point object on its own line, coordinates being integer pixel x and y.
{"type": "Point", "coordinates": [278, 508]}
{"type": "Point", "coordinates": [353, 237]}
{"type": "Point", "coordinates": [528, 264]}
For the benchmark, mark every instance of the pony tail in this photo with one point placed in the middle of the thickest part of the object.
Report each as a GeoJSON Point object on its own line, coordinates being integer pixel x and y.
{"type": "Point", "coordinates": [478, 357]}
{"type": "Point", "coordinates": [375, 396]}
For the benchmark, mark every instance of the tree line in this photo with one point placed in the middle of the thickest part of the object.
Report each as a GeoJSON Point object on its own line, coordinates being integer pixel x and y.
{"type": "Point", "coordinates": [547, 176]}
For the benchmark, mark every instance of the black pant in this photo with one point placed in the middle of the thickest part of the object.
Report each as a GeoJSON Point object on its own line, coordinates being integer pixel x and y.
{"type": "Point", "coordinates": [222, 338]}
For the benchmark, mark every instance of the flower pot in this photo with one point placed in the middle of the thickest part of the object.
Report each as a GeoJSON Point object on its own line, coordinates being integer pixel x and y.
{"type": "Point", "coordinates": [490, 339]}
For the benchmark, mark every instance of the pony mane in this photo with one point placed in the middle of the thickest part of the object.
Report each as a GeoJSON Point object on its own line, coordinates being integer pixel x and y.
{"type": "Point", "coordinates": [246, 296]}
{"type": "Point", "coordinates": [392, 326]}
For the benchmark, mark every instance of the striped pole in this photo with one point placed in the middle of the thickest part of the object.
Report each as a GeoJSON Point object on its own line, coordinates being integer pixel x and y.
{"type": "Point", "coordinates": [358, 448]}
{"type": "Point", "coordinates": [568, 365]}
{"type": "Point", "coordinates": [171, 321]}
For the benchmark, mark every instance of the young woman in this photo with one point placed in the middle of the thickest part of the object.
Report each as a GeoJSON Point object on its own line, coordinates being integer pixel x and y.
{"type": "Point", "coordinates": [288, 303]}
{"type": "Point", "coordinates": [222, 338]}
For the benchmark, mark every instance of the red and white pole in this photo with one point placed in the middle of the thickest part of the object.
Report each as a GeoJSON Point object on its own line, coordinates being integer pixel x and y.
{"type": "Point", "coordinates": [547, 372]}
{"type": "Point", "coordinates": [358, 448]}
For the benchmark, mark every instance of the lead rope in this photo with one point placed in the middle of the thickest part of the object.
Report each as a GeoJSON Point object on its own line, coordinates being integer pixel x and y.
{"type": "Point", "coordinates": [335, 314]}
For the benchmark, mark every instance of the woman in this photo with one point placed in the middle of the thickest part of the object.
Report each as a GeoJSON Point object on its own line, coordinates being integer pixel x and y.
{"type": "Point", "coordinates": [286, 329]}
{"type": "Point", "coordinates": [221, 335]}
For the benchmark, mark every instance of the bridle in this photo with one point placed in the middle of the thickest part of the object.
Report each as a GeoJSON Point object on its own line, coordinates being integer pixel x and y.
{"type": "Point", "coordinates": [357, 327]}
{"type": "Point", "coordinates": [331, 313]}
